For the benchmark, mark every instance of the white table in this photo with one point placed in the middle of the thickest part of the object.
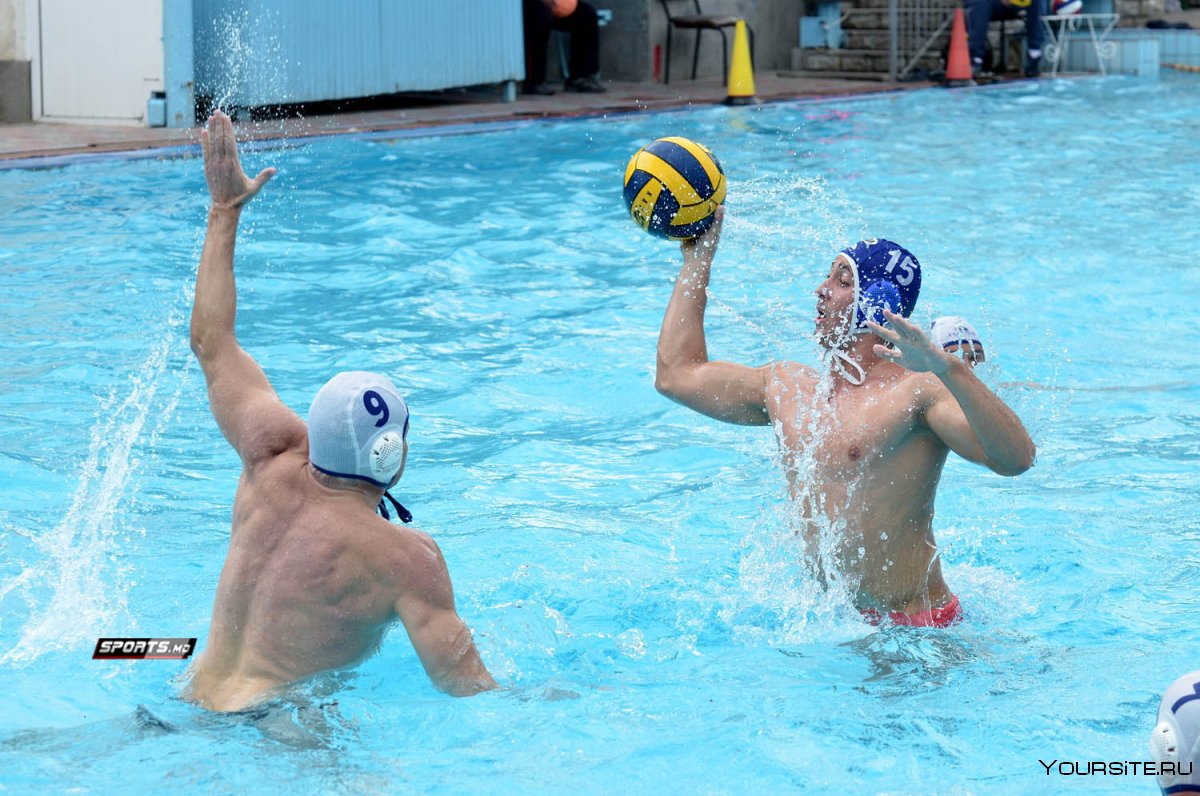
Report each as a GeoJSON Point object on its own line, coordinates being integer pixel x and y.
{"type": "Point", "coordinates": [1060, 29]}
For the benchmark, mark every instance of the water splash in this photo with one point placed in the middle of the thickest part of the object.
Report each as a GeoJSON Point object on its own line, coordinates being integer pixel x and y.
{"type": "Point", "coordinates": [79, 565]}
{"type": "Point", "coordinates": [790, 572]}
{"type": "Point", "coordinates": [241, 61]}
{"type": "Point", "coordinates": [793, 560]}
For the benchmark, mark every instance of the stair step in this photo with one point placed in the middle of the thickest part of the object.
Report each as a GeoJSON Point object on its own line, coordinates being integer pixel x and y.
{"type": "Point", "coordinates": [878, 39]}
{"type": "Point", "coordinates": [860, 18]}
{"type": "Point", "coordinates": [877, 17]}
{"type": "Point", "coordinates": [836, 75]}
{"type": "Point", "coordinates": [851, 61]}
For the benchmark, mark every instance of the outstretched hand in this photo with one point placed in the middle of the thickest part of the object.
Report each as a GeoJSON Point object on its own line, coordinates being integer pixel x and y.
{"type": "Point", "coordinates": [705, 246]}
{"type": "Point", "coordinates": [910, 349]}
{"type": "Point", "coordinates": [227, 183]}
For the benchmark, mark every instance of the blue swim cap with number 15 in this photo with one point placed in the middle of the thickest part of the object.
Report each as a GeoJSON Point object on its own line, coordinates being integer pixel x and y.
{"type": "Point", "coordinates": [886, 276]}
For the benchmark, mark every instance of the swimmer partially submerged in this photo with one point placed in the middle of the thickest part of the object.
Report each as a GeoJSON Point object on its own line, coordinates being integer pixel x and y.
{"type": "Point", "coordinates": [955, 335]}
{"type": "Point", "coordinates": [314, 577]}
{"type": "Point", "coordinates": [864, 443]}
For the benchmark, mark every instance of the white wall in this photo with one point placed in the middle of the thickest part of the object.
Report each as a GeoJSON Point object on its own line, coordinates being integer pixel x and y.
{"type": "Point", "coordinates": [12, 31]}
{"type": "Point", "coordinates": [98, 60]}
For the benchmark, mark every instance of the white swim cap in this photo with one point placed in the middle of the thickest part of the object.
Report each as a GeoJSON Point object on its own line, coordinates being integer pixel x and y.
{"type": "Point", "coordinates": [1176, 739]}
{"type": "Point", "coordinates": [356, 428]}
{"type": "Point", "coordinates": [952, 330]}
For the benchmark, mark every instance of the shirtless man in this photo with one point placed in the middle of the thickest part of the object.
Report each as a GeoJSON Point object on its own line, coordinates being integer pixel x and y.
{"type": "Point", "coordinates": [865, 444]}
{"type": "Point", "coordinates": [313, 577]}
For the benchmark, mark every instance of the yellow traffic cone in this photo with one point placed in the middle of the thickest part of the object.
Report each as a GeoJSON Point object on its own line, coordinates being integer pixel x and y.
{"type": "Point", "coordinates": [741, 72]}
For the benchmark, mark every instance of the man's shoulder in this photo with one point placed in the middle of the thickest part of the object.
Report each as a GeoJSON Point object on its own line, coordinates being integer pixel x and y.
{"type": "Point", "coordinates": [271, 430]}
{"type": "Point", "coordinates": [787, 375]}
{"type": "Point", "coordinates": [786, 368]}
{"type": "Point", "coordinates": [417, 571]}
{"type": "Point", "coordinates": [283, 459]}
{"type": "Point", "coordinates": [409, 555]}
{"type": "Point", "coordinates": [920, 391]}
{"type": "Point", "coordinates": [920, 384]}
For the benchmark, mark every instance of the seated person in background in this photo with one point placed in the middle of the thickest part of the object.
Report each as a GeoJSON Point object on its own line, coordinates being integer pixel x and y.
{"type": "Point", "coordinates": [1175, 742]}
{"type": "Point", "coordinates": [982, 12]}
{"type": "Point", "coordinates": [578, 18]}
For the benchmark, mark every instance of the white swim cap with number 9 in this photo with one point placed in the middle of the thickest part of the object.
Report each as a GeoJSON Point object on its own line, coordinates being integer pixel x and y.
{"type": "Point", "coordinates": [356, 428]}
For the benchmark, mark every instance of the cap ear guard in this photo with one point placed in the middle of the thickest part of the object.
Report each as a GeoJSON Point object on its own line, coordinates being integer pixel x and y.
{"type": "Point", "coordinates": [878, 296]}
{"type": "Point", "coordinates": [387, 454]}
{"type": "Point", "coordinates": [1164, 748]}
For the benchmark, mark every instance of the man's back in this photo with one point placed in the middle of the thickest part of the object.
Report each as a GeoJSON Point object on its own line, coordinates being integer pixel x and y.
{"type": "Point", "coordinates": [310, 583]}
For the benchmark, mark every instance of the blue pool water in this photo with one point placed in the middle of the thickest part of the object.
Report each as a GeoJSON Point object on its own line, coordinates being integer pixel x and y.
{"type": "Point", "coordinates": [621, 560]}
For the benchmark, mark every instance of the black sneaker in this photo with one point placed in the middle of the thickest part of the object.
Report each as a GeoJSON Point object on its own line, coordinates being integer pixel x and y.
{"type": "Point", "coordinates": [585, 85]}
{"type": "Point", "coordinates": [539, 90]}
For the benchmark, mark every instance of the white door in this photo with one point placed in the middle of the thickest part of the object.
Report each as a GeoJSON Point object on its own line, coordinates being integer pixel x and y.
{"type": "Point", "coordinates": [100, 59]}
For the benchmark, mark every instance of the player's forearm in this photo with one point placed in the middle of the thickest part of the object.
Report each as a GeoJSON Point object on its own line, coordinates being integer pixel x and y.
{"type": "Point", "coordinates": [457, 669]}
{"type": "Point", "coordinates": [1006, 444]}
{"type": "Point", "coordinates": [681, 341]}
{"type": "Point", "coordinates": [215, 307]}
{"type": "Point", "coordinates": [471, 678]}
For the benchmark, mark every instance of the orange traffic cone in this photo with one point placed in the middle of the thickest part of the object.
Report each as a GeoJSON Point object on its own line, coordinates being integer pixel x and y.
{"type": "Point", "coordinates": [741, 71]}
{"type": "Point", "coordinates": [958, 63]}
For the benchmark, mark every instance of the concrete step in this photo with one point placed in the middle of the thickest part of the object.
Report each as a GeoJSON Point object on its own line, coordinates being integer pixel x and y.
{"type": "Point", "coordinates": [852, 61]}
{"type": "Point", "coordinates": [843, 61]}
{"type": "Point", "coordinates": [877, 39]}
{"type": "Point", "coordinates": [866, 39]}
{"type": "Point", "coordinates": [876, 17]}
{"type": "Point", "coordinates": [864, 19]}
{"type": "Point", "coordinates": [837, 75]}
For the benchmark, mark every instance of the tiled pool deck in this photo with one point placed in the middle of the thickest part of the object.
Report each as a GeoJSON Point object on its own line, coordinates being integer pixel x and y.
{"type": "Point", "coordinates": [25, 144]}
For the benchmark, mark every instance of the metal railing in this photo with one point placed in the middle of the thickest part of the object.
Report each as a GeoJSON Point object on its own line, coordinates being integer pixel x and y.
{"type": "Point", "coordinates": [915, 27]}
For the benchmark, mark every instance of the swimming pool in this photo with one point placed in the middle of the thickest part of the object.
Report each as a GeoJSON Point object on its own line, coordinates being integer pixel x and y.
{"type": "Point", "coordinates": [619, 558]}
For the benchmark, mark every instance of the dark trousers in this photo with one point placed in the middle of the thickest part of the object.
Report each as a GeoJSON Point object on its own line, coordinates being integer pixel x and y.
{"type": "Point", "coordinates": [981, 12]}
{"type": "Point", "coordinates": [583, 29]}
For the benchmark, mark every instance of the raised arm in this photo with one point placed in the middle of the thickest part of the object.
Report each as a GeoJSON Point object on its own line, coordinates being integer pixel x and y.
{"type": "Point", "coordinates": [721, 390]}
{"type": "Point", "coordinates": [249, 413]}
{"type": "Point", "coordinates": [442, 640]}
{"type": "Point", "coordinates": [971, 420]}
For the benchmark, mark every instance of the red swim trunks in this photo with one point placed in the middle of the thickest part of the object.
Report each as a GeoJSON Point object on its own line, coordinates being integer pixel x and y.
{"type": "Point", "coordinates": [942, 616]}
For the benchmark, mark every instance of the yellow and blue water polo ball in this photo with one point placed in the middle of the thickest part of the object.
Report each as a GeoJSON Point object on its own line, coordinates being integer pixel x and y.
{"type": "Point", "coordinates": [672, 188]}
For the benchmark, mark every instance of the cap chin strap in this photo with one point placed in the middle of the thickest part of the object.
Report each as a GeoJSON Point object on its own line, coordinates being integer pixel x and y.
{"type": "Point", "coordinates": [841, 360]}
{"type": "Point", "coordinates": [404, 514]}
